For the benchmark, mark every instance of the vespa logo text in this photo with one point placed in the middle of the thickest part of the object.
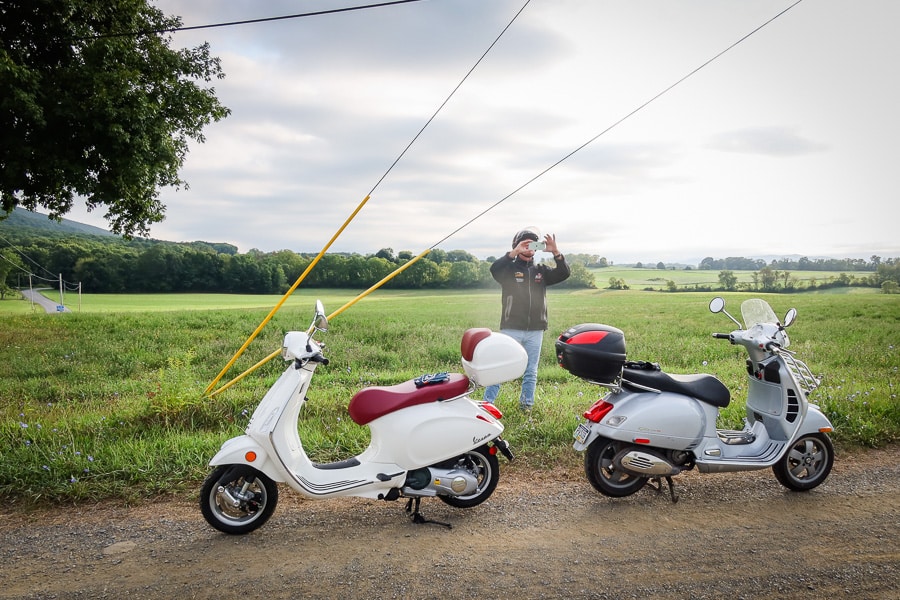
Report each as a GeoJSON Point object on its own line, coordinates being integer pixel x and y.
{"type": "Point", "coordinates": [476, 440]}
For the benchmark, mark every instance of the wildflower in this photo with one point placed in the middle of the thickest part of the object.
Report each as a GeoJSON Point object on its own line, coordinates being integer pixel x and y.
{"type": "Point", "coordinates": [45, 467]}
{"type": "Point", "coordinates": [72, 479]}
{"type": "Point", "coordinates": [90, 458]}
{"type": "Point", "coordinates": [23, 425]}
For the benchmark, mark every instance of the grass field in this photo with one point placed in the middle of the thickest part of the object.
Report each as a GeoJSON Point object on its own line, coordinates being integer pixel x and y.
{"type": "Point", "coordinates": [657, 279]}
{"type": "Point", "coordinates": [109, 402]}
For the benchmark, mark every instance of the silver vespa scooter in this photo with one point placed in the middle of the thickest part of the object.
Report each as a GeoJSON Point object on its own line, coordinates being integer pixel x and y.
{"type": "Point", "coordinates": [653, 425]}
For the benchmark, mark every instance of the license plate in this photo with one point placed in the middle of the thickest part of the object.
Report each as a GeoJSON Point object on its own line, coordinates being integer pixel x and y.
{"type": "Point", "coordinates": [581, 433]}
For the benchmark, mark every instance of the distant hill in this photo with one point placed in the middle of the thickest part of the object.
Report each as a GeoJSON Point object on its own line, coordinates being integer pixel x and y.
{"type": "Point", "coordinates": [21, 219]}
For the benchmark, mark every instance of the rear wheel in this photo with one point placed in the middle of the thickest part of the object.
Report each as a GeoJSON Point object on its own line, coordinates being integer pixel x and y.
{"type": "Point", "coordinates": [237, 499]}
{"type": "Point", "coordinates": [486, 468]}
{"type": "Point", "coordinates": [604, 475]}
{"type": "Point", "coordinates": [806, 464]}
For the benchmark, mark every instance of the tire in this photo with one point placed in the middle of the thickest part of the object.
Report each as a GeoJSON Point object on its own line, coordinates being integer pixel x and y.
{"type": "Point", "coordinates": [261, 497]}
{"type": "Point", "coordinates": [486, 467]}
{"type": "Point", "coordinates": [604, 476]}
{"type": "Point", "coordinates": [806, 464]}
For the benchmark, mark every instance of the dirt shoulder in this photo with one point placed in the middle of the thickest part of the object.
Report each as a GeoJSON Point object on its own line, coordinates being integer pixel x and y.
{"type": "Point", "coordinates": [541, 535]}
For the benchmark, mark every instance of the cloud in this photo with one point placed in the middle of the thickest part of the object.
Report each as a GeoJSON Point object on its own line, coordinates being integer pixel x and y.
{"type": "Point", "coordinates": [323, 106]}
{"type": "Point", "coordinates": [768, 141]}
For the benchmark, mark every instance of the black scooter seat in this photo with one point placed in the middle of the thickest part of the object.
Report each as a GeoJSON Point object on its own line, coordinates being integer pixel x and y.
{"type": "Point", "coordinates": [701, 386]}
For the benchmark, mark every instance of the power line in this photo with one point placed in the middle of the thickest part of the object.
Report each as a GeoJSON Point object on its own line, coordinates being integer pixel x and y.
{"type": "Point", "coordinates": [444, 103]}
{"type": "Point", "coordinates": [53, 277]}
{"type": "Point", "coordinates": [621, 120]}
{"type": "Point", "coordinates": [250, 21]}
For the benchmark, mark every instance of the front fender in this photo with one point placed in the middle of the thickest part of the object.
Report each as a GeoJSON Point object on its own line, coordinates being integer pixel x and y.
{"type": "Point", "coordinates": [240, 450]}
{"type": "Point", "coordinates": [814, 421]}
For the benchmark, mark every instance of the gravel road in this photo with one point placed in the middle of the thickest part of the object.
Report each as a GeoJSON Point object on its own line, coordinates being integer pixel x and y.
{"type": "Point", "coordinates": [541, 535]}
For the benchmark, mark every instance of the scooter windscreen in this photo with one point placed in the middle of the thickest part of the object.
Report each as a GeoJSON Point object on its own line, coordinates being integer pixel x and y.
{"type": "Point", "coordinates": [756, 311]}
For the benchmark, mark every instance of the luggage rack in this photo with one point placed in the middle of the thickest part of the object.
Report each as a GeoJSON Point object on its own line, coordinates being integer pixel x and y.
{"type": "Point", "coordinates": [801, 373]}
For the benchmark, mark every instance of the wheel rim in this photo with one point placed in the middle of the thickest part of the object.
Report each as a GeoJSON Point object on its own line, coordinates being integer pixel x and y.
{"type": "Point", "coordinates": [613, 477]}
{"type": "Point", "coordinates": [248, 510]}
{"type": "Point", "coordinates": [807, 459]}
{"type": "Point", "coordinates": [480, 466]}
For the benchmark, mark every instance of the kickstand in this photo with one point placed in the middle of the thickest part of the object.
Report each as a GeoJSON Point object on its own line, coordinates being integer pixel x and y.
{"type": "Point", "coordinates": [658, 487]}
{"type": "Point", "coordinates": [417, 517]}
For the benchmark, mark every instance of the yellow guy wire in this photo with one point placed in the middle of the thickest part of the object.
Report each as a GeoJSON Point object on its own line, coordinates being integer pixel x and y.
{"type": "Point", "coordinates": [396, 272]}
{"type": "Point", "coordinates": [245, 373]}
{"type": "Point", "coordinates": [285, 297]}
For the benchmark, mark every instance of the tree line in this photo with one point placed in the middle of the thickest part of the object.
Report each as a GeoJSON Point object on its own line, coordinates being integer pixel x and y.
{"type": "Point", "coordinates": [115, 265]}
{"type": "Point", "coordinates": [38, 256]}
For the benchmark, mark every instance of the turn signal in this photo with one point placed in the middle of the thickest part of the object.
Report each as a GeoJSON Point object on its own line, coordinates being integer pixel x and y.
{"type": "Point", "coordinates": [825, 429]}
{"type": "Point", "coordinates": [250, 456]}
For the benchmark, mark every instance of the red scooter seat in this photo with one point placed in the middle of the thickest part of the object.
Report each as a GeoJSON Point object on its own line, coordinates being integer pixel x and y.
{"type": "Point", "coordinates": [372, 402]}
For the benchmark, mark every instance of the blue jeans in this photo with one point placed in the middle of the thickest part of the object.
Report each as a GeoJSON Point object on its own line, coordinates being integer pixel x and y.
{"type": "Point", "coordinates": [531, 341]}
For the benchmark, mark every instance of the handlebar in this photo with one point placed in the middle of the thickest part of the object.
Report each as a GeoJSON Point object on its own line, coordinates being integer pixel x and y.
{"type": "Point", "coordinates": [722, 336]}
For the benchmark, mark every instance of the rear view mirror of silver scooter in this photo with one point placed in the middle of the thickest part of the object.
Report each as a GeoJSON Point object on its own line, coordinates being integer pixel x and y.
{"type": "Point", "coordinates": [789, 317]}
{"type": "Point", "coordinates": [717, 305]}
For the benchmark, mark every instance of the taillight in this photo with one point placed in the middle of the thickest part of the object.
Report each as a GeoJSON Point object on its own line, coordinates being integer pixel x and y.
{"type": "Point", "coordinates": [492, 410]}
{"type": "Point", "coordinates": [597, 411]}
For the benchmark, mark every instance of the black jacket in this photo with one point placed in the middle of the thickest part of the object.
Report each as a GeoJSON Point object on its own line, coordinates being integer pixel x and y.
{"type": "Point", "coordinates": [524, 291]}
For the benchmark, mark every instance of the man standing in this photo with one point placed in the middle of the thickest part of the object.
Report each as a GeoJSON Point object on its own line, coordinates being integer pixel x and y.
{"type": "Point", "coordinates": [524, 301]}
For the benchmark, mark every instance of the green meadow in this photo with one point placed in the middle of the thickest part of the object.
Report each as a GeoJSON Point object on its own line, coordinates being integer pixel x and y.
{"type": "Point", "coordinates": [108, 401]}
{"type": "Point", "coordinates": [649, 278]}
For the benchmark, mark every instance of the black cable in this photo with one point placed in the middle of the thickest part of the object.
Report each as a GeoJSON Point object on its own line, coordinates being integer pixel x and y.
{"type": "Point", "coordinates": [444, 103]}
{"type": "Point", "coordinates": [593, 139]}
{"type": "Point", "coordinates": [23, 255]}
{"type": "Point", "coordinates": [249, 21]}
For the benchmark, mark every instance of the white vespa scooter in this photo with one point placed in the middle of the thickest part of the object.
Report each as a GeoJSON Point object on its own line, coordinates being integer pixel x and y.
{"type": "Point", "coordinates": [653, 425]}
{"type": "Point", "coordinates": [428, 438]}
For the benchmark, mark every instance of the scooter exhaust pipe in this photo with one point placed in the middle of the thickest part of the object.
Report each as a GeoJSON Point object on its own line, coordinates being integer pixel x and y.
{"type": "Point", "coordinates": [643, 462]}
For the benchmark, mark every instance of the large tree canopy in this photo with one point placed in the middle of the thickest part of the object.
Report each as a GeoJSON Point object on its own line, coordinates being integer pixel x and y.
{"type": "Point", "coordinates": [95, 106]}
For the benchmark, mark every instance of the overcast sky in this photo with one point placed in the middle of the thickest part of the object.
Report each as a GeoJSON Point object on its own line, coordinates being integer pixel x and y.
{"type": "Point", "coordinates": [786, 144]}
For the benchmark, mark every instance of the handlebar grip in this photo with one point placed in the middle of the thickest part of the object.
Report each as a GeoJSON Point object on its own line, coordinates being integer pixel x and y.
{"type": "Point", "coordinates": [722, 336]}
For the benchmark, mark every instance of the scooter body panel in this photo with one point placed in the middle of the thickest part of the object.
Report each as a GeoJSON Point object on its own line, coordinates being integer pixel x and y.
{"type": "Point", "coordinates": [435, 432]}
{"type": "Point", "coordinates": [661, 420]}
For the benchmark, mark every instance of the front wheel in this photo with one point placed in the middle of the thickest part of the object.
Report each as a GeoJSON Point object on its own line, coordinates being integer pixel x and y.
{"type": "Point", "coordinates": [604, 475]}
{"type": "Point", "coordinates": [806, 464]}
{"type": "Point", "coordinates": [486, 468]}
{"type": "Point", "coordinates": [237, 499]}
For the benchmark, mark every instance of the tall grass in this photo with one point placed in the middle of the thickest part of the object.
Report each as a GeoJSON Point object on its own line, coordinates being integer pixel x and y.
{"type": "Point", "coordinates": [111, 404]}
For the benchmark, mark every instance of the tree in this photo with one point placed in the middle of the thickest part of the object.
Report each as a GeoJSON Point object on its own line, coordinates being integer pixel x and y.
{"type": "Point", "coordinates": [94, 104]}
{"type": "Point", "coordinates": [728, 280]}
{"type": "Point", "coordinates": [9, 264]}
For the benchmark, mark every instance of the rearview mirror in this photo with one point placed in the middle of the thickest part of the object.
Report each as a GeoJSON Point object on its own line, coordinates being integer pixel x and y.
{"type": "Point", "coordinates": [717, 305]}
{"type": "Point", "coordinates": [320, 321]}
{"type": "Point", "coordinates": [789, 317]}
